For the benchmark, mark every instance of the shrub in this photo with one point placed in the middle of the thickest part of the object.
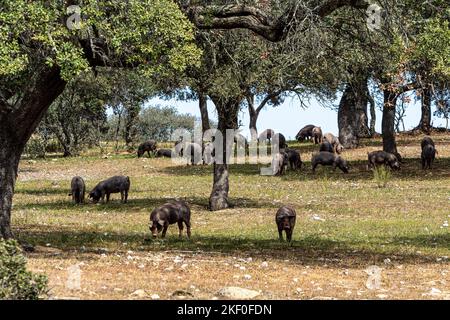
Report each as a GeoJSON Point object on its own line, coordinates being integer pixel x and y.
{"type": "Point", "coordinates": [16, 283]}
{"type": "Point", "coordinates": [381, 176]}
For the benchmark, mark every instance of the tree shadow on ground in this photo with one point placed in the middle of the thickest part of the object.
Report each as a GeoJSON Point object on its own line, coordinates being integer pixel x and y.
{"type": "Point", "coordinates": [139, 204]}
{"type": "Point", "coordinates": [310, 250]}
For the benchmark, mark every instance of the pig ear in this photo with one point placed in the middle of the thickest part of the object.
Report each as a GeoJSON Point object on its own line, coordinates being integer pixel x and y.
{"type": "Point", "coordinates": [161, 222]}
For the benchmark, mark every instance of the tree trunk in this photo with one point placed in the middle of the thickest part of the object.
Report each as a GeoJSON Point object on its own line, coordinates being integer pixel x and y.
{"type": "Point", "coordinates": [17, 126]}
{"type": "Point", "coordinates": [254, 114]}
{"type": "Point", "coordinates": [388, 122]}
{"type": "Point", "coordinates": [130, 125]}
{"type": "Point", "coordinates": [373, 115]}
{"type": "Point", "coordinates": [227, 110]}
{"type": "Point", "coordinates": [203, 105]}
{"type": "Point", "coordinates": [352, 114]}
{"type": "Point", "coordinates": [9, 162]}
{"type": "Point", "coordinates": [347, 119]}
{"type": "Point", "coordinates": [425, 120]}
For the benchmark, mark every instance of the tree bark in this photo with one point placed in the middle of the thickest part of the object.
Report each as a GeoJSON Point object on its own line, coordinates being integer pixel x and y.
{"type": "Point", "coordinates": [373, 115]}
{"type": "Point", "coordinates": [254, 114]}
{"type": "Point", "coordinates": [130, 125]}
{"type": "Point", "coordinates": [9, 162]}
{"type": "Point", "coordinates": [227, 110]}
{"type": "Point", "coordinates": [234, 16]}
{"type": "Point", "coordinates": [203, 105]}
{"type": "Point", "coordinates": [425, 120]}
{"type": "Point", "coordinates": [17, 126]}
{"type": "Point", "coordinates": [388, 122]}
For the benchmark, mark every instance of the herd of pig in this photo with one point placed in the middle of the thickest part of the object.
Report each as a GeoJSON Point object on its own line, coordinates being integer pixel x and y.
{"type": "Point", "coordinates": [178, 211]}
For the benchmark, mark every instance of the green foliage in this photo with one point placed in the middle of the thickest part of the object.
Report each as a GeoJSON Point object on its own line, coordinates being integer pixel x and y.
{"type": "Point", "coordinates": [78, 115]}
{"type": "Point", "coordinates": [151, 34]}
{"type": "Point", "coordinates": [433, 46]}
{"type": "Point", "coordinates": [381, 176]}
{"type": "Point", "coordinates": [16, 283]}
{"type": "Point", "coordinates": [160, 122]}
{"type": "Point", "coordinates": [36, 146]}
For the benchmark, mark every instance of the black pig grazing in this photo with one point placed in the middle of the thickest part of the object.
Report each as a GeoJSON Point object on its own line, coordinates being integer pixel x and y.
{"type": "Point", "coordinates": [295, 160]}
{"type": "Point", "coordinates": [427, 141]}
{"type": "Point", "coordinates": [164, 153]}
{"type": "Point", "coordinates": [170, 213]}
{"type": "Point", "coordinates": [428, 156]}
{"type": "Point", "coordinates": [329, 159]}
{"type": "Point", "coordinates": [382, 157]}
{"type": "Point", "coordinates": [78, 189]}
{"type": "Point", "coordinates": [112, 185]}
{"type": "Point", "coordinates": [305, 133]}
{"type": "Point", "coordinates": [285, 219]}
{"type": "Point", "coordinates": [148, 146]}
{"type": "Point", "coordinates": [326, 146]}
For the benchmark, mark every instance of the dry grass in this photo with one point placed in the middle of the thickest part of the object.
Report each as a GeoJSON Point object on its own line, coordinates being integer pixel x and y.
{"type": "Point", "coordinates": [345, 224]}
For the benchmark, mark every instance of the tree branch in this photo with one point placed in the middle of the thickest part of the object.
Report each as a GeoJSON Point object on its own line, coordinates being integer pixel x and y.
{"type": "Point", "coordinates": [248, 17]}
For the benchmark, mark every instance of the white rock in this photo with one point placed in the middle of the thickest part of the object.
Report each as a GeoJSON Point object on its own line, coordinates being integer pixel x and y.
{"type": "Point", "coordinates": [139, 293]}
{"type": "Point", "coordinates": [155, 297]}
{"type": "Point", "coordinates": [387, 261]}
{"type": "Point", "coordinates": [435, 292]}
{"type": "Point", "coordinates": [238, 293]}
{"type": "Point", "coordinates": [264, 264]}
{"type": "Point", "coordinates": [247, 276]}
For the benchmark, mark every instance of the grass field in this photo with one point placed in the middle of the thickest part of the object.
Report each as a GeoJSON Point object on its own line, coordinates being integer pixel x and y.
{"type": "Point", "coordinates": [345, 224]}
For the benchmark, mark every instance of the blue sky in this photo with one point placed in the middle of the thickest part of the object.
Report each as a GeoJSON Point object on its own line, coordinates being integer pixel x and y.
{"type": "Point", "coordinates": [289, 117]}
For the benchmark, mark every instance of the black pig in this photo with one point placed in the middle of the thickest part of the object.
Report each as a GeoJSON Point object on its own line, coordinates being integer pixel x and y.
{"type": "Point", "coordinates": [285, 220]}
{"type": "Point", "coordinates": [148, 146]}
{"type": "Point", "coordinates": [329, 159]}
{"type": "Point", "coordinates": [305, 133]}
{"type": "Point", "coordinates": [295, 160]}
{"type": "Point", "coordinates": [170, 213]}
{"type": "Point", "coordinates": [383, 157]}
{"type": "Point", "coordinates": [78, 189]}
{"type": "Point", "coordinates": [164, 153]}
{"type": "Point", "coordinates": [112, 185]}
{"type": "Point", "coordinates": [428, 156]}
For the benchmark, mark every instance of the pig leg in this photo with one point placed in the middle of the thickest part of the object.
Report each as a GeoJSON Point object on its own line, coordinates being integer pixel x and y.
{"type": "Point", "coordinates": [280, 234]}
{"type": "Point", "coordinates": [289, 235]}
{"type": "Point", "coordinates": [108, 195]}
{"type": "Point", "coordinates": [188, 229]}
{"type": "Point", "coordinates": [164, 231]}
{"type": "Point", "coordinates": [180, 229]}
{"type": "Point", "coordinates": [122, 196]}
{"type": "Point", "coordinates": [126, 196]}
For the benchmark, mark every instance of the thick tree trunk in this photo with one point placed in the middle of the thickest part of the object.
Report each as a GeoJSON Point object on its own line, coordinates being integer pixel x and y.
{"type": "Point", "coordinates": [203, 105]}
{"type": "Point", "coordinates": [425, 120]}
{"type": "Point", "coordinates": [227, 110]}
{"type": "Point", "coordinates": [388, 122]}
{"type": "Point", "coordinates": [17, 126]}
{"type": "Point", "coordinates": [252, 126]}
{"type": "Point", "coordinates": [130, 125]}
{"type": "Point", "coordinates": [9, 161]}
{"type": "Point", "coordinates": [352, 114]}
